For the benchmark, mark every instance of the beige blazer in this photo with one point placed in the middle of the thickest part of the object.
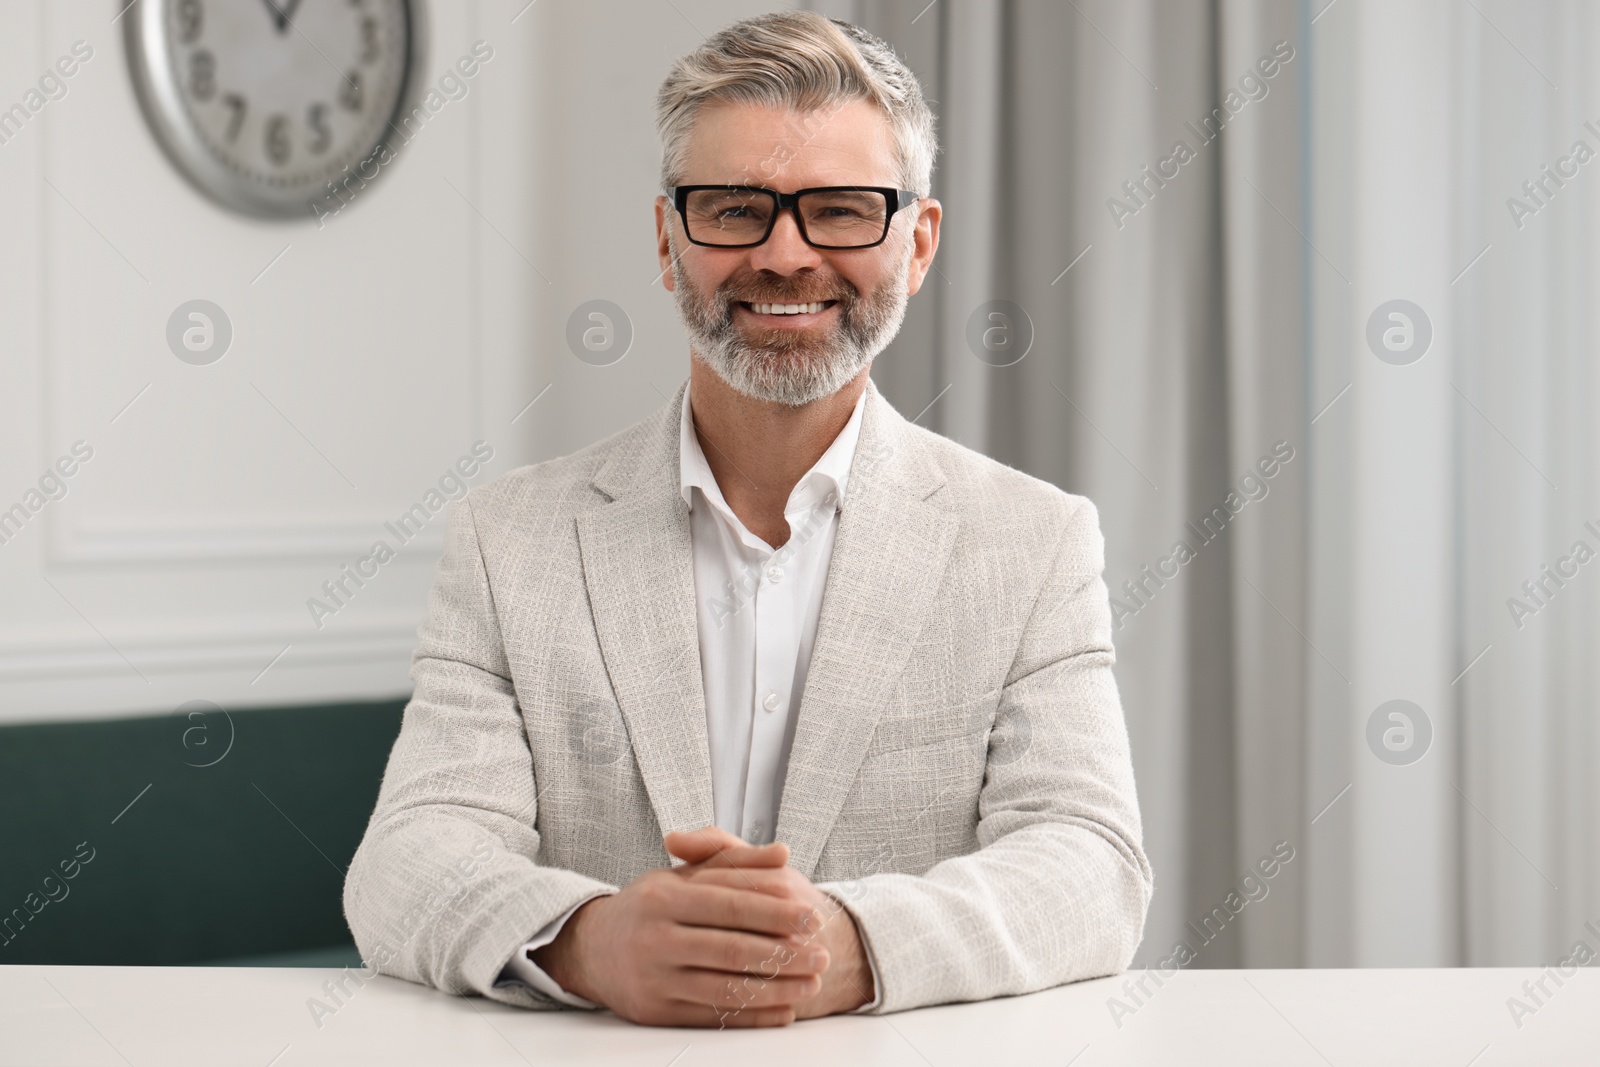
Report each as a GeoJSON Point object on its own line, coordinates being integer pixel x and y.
{"type": "Point", "coordinates": [959, 777]}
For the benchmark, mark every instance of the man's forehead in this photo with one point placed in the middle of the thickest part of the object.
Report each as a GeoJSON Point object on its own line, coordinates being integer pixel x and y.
{"type": "Point", "coordinates": [753, 144]}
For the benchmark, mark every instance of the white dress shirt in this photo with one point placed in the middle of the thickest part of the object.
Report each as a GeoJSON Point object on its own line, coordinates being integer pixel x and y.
{"type": "Point", "coordinates": [756, 613]}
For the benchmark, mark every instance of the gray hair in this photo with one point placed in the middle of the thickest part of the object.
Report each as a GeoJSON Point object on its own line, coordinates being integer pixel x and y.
{"type": "Point", "coordinates": [805, 62]}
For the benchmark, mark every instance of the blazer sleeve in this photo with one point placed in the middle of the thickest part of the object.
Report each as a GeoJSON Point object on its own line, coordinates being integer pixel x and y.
{"type": "Point", "coordinates": [444, 887]}
{"type": "Point", "coordinates": [1060, 885]}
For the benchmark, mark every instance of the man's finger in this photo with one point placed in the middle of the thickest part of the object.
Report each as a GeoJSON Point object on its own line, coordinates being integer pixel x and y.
{"type": "Point", "coordinates": [700, 846]}
{"type": "Point", "coordinates": [732, 992]}
{"type": "Point", "coordinates": [773, 857]}
{"type": "Point", "coordinates": [731, 908]}
{"type": "Point", "coordinates": [775, 881]}
{"type": "Point", "coordinates": [752, 1017]}
{"type": "Point", "coordinates": [704, 1015]}
{"type": "Point", "coordinates": [739, 954]}
{"type": "Point", "coordinates": [710, 838]}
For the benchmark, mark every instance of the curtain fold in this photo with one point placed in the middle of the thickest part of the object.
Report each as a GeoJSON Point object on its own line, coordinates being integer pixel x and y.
{"type": "Point", "coordinates": [1526, 317]}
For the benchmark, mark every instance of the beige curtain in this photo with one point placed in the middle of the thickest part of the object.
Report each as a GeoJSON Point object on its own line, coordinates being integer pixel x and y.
{"type": "Point", "coordinates": [1426, 532]}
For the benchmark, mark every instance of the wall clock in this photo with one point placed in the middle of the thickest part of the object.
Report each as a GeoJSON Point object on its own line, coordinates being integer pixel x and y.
{"type": "Point", "coordinates": [262, 103]}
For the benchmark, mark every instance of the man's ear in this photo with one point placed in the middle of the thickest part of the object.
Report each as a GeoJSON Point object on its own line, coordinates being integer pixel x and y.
{"type": "Point", "coordinates": [663, 246]}
{"type": "Point", "coordinates": [925, 242]}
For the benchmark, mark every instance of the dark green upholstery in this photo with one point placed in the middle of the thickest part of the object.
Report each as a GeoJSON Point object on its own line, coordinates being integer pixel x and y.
{"type": "Point", "coordinates": [205, 867]}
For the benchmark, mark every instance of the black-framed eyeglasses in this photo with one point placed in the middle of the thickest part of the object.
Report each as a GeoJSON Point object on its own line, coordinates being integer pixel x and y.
{"type": "Point", "coordinates": [831, 216]}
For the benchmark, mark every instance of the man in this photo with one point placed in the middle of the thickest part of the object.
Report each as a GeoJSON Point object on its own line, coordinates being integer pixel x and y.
{"type": "Point", "coordinates": [774, 705]}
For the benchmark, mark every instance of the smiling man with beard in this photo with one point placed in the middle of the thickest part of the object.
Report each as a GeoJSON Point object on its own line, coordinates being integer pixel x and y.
{"type": "Point", "coordinates": [773, 705]}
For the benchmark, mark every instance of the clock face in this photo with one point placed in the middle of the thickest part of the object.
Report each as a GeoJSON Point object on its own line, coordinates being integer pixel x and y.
{"type": "Point", "coordinates": [264, 103]}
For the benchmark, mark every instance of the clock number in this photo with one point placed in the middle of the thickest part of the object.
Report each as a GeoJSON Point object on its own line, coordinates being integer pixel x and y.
{"type": "Point", "coordinates": [278, 139]}
{"type": "Point", "coordinates": [350, 91]}
{"type": "Point", "coordinates": [369, 38]}
{"type": "Point", "coordinates": [202, 75]}
{"type": "Point", "coordinates": [317, 119]}
{"type": "Point", "coordinates": [236, 102]}
{"type": "Point", "coordinates": [189, 21]}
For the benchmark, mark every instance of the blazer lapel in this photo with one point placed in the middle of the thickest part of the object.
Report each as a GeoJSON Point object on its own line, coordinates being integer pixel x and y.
{"type": "Point", "coordinates": [889, 555]}
{"type": "Point", "coordinates": [638, 567]}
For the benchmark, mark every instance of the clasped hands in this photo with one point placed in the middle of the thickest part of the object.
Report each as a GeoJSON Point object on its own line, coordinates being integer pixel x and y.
{"type": "Point", "coordinates": [732, 937]}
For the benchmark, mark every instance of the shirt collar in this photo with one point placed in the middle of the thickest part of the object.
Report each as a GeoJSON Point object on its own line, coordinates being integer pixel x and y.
{"type": "Point", "coordinates": [828, 475]}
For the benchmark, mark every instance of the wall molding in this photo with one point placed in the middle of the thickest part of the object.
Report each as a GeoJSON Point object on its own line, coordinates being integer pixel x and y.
{"type": "Point", "coordinates": [165, 540]}
{"type": "Point", "coordinates": [200, 650]}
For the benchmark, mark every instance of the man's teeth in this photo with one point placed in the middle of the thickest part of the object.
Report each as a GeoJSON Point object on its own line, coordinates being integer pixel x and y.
{"type": "Point", "coordinates": [788, 309]}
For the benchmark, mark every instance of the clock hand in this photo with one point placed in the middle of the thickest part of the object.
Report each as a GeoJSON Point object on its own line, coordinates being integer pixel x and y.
{"type": "Point", "coordinates": [282, 12]}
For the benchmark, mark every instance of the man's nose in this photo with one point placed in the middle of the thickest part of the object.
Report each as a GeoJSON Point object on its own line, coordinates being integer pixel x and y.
{"type": "Point", "coordinates": [785, 250]}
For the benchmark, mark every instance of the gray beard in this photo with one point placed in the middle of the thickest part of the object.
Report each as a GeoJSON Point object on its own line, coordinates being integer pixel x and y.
{"type": "Point", "coordinates": [788, 368]}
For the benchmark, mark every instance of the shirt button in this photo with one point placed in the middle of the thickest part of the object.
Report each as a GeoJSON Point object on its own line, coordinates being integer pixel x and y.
{"type": "Point", "coordinates": [774, 574]}
{"type": "Point", "coordinates": [754, 833]}
{"type": "Point", "coordinates": [772, 703]}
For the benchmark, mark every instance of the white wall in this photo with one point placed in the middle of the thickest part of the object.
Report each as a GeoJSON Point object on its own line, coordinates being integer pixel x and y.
{"type": "Point", "coordinates": [368, 355]}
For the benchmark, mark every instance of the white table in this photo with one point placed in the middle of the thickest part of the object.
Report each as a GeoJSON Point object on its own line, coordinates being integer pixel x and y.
{"type": "Point", "coordinates": [84, 1016]}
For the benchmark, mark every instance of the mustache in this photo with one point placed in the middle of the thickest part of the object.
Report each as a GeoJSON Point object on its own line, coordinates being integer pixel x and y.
{"type": "Point", "coordinates": [734, 294]}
